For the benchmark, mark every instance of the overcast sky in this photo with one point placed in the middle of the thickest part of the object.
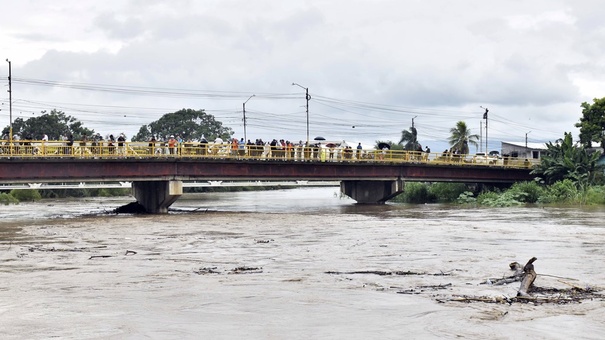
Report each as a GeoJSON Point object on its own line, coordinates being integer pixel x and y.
{"type": "Point", "coordinates": [372, 67]}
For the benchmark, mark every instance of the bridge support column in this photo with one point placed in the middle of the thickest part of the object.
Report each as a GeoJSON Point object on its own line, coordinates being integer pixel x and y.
{"type": "Point", "coordinates": [371, 192]}
{"type": "Point", "coordinates": [157, 196]}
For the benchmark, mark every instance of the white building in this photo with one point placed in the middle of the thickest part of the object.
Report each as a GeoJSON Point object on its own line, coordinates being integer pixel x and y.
{"type": "Point", "coordinates": [523, 149]}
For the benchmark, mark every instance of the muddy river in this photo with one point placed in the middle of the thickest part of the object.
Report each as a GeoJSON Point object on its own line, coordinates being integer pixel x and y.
{"type": "Point", "coordinates": [294, 264]}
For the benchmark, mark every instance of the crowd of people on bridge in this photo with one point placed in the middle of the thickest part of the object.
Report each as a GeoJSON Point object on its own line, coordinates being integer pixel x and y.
{"type": "Point", "coordinates": [176, 145]}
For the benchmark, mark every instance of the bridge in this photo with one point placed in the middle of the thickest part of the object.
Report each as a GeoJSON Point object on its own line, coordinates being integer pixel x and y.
{"type": "Point", "coordinates": [367, 176]}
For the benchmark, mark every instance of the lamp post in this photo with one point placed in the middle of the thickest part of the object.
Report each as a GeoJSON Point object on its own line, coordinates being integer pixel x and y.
{"type": "Point", "coordinates": [414, 134]}
{"type": "Point", "coordinates": [244, 113]}
{"type": "Point", "coordinates": [308, 98]}
{"type": "Point", "coordinates": [485, 117]}
{"type": "Point", "coordinates": [10, 103]}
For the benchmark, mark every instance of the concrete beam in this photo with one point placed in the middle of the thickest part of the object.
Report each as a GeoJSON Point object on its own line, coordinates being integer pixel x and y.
{"type": "Point", "coordinates": [372, 192]}
{"type": "Point", "coordinates": [157, 196]}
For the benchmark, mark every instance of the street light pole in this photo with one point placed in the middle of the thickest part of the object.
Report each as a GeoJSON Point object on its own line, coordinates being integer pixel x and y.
{"type": "Point", "coordinates": [485, 117]}
{"type": "Point", "coordinates": [308, 98]}
{"type": "Point", "coordinates": [244, 113]}
{"type": "Point", "coordinates": [10, 103]}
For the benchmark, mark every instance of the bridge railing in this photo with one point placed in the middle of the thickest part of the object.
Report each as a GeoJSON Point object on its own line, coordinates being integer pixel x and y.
{"type": "Point", "coordinates": [108, 150]}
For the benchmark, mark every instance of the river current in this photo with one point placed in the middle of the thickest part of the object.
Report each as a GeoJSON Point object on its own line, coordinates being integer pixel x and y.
{"type": "Point", "coordinates": [293, 264]}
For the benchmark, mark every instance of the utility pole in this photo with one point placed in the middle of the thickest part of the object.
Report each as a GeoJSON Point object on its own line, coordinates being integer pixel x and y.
{"type": "Point", "coordinates": [526, 140]}
{"type": "Point", "coordinates": [10, 103]}
{"type": "Point", "coordinates": [480, 136]}
{"type": "Point", "coordinates": [308, 98]}
{"type": "Point", "coordinates": [485, 117]}
{"type": "Point", "coordinates": [244, 113]}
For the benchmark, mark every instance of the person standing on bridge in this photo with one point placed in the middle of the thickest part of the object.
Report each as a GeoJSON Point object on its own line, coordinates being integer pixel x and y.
{"type": "Point", "coordinates": [121, 140]}
{"type": "Point", "coordinates": [152, 142]}
{"type": "Point", "coordinates": [172, 145]}
{"type": "Point", "coordinates": [70, 143]}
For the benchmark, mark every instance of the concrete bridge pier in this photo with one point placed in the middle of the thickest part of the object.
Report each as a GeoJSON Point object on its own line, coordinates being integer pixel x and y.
{"type": "Point", "coordinates": [157, 196]}
{"type": "Point", "coordinates": [372, 192]}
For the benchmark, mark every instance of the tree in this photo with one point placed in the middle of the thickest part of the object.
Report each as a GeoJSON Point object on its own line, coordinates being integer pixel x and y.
{"type": "Point", "coordinates": [410, 138]}
{"type": "Point", "coordinates": [592, 123]}
{"type": "Point", "coordinates": [54, 124]}
{"type": "Point", "coordinates": [187, 123]}
{"type": "Point", "coordinates": [564, 160]}
{"type": "Point", "coordinates": [461, 137]}
{"type": "Point", "coordinates": [392, 145]}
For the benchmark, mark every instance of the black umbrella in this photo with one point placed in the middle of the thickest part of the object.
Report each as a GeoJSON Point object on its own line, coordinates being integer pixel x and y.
{"type": "Point", "coordinates": [384, 145]}
{"type": "Point", "coordinates": [319, 138]}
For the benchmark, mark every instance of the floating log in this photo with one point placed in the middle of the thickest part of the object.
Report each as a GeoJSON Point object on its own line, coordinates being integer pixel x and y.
{"type": "Point", "coordinates": [529, 276]}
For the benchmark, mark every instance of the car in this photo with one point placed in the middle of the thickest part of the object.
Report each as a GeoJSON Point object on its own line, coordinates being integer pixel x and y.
{"type": "Point", "coordinates": [482, 158]}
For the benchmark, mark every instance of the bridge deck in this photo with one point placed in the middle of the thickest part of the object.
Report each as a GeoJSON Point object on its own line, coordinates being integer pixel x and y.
{"type": "Point", "coordinates": [36, 162]}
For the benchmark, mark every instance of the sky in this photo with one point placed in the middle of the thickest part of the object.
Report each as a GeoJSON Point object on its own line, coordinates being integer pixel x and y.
{"type": "Point", "coordinates": [372, 68]}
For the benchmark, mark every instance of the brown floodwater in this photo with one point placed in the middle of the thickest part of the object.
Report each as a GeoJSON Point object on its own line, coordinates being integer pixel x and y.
{"type": "Point", "coordinates": [293, 264]}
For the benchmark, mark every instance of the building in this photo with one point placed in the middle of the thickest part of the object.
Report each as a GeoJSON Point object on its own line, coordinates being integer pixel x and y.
{"type": "Point", "coordinates": [523, 149]}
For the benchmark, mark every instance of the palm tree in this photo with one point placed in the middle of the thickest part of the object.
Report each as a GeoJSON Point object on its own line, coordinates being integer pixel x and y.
{"type": "Point", "coordinates": [409, 138]}
{"type": "Point", "coordinates": [461, 137]}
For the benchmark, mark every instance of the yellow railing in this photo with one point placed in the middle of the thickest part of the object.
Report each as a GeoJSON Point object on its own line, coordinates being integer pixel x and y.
{"type": "Point", "coordinates": [104, 149]}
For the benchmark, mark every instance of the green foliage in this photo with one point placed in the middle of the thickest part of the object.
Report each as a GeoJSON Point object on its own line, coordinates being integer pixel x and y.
{"type": "Point", "coordinates": [564, 191]}
{"type": "Point", "coordinates": [90, 192]}
{"type": "Point", "coordinates": [420, 193]}
{"type": "Point", "coordinates": [563, 160]}
{"type": "Point", "coordinates": [530, 192]}
{"type": "Point", "coordinates": [25, 195]}
{"type": "Point", "coordinates": [7, 199]}
{"type": "Point", "coordinates": [409, 139]}
{"type": "Point", "coordinates": [417, 193]}
{"type": "Point", "coordinates": [466, 197]}
{"type": "Point", "coordinates": [54, 124]}
{"type": "Point", "coordinates": [394, 146]}
{"type": "Point", "coordinates": [595, 195]}
{"type": "Point", "coordinates": [505, 199]}
{"type": "Point", "coordinates": [568, 192]}
{"type": "Point", "coordinates": [447, 192]}
{"type": "Point", "coordinates": [487, 196]}
{"type": "Point", "coordinates": [461, 137]}
{"type": "Point", "coordinates": [187, 123]}
{"type": "Point", "coordinates": [110, 192]}
{"type": "Point", "coordinates": [592, 123]}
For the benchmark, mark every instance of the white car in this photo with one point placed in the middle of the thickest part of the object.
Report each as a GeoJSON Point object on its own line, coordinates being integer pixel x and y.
{"type": "Point", "coordinates": [482, 158]}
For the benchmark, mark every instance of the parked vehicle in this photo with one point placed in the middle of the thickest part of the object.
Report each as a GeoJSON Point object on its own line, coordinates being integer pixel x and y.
{"type": "Point", "coordinates": [482, 158]}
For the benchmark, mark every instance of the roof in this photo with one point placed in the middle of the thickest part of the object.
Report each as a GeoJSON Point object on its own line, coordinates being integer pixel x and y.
{"type": "Point", "coordinates": [533, 146]}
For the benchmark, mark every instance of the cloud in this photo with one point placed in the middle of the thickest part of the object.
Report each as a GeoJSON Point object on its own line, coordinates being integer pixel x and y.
{"type": "Point", "coordinates": [439, 60]}
{"type": "Point", "coordinates": [117, 27]}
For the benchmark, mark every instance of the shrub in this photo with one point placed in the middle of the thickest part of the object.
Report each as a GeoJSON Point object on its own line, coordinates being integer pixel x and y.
{"type": "Point", "coordinates": [415, 193]}
{"type": "Point", "coordinates": [532, 191]}
{"type": "Point", "coordinates": [560, 192]}
{"type": "Point", "coordinates": [487, 196]}
{"type": "Point", "coordinates": [595, 195]}
{"type": "Point", "coordinates": [23, 195]}
{"type": "Point", "coordinates": [505, 199]}
{"type": "Point", "coordinates": [7, 199]}
{"type": "Point", "coordinates": [447, 192]}
{"type": "Point", "coordinates": [466, 197]}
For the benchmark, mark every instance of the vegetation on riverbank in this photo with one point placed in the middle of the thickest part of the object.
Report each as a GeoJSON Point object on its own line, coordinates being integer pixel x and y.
{"type": "Point", "coordinates": [563, 192]}
{"type": "Point", "coordinates": [31, 195]}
